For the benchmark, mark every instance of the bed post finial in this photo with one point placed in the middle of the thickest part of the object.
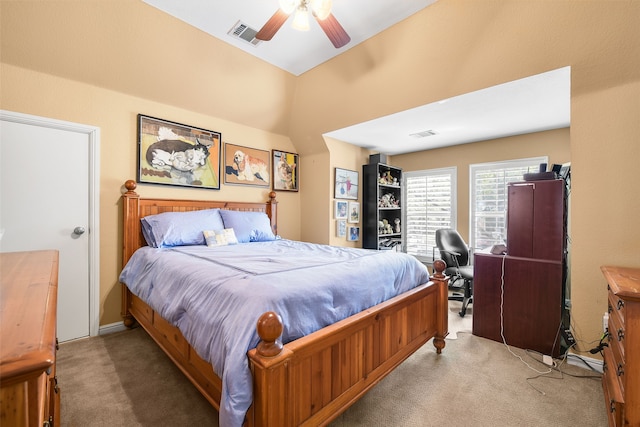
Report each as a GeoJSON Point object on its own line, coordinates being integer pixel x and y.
{"type": "Point", "coordinates": [272, 211]}
{"type": "Point", "coordinates": [439, 266]}
{"type": "Point", "coordinates": [442, 328]}
{"type": "Point", "coordinates": [130, 185]}
{"type": "Point", "coordinates": [269, 328]}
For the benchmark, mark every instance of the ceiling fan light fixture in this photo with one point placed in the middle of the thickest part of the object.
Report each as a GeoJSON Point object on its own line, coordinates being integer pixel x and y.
{"type": "Point", "coordinates": [288, 6]}
{"type": "Point", "coordinates": [301, 19]}
{"type": "Point", "coordinates": [321, 8]}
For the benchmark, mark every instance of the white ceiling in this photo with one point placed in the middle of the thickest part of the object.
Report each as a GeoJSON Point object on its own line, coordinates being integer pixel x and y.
{"type": "Point", "coordinates": [532, 104]}
{"type": "Point", "coordinates": [292, 50]}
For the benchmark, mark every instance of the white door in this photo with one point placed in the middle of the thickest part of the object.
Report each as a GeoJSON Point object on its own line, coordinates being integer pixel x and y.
{"type": "Point", "coordinates": [46, 202]}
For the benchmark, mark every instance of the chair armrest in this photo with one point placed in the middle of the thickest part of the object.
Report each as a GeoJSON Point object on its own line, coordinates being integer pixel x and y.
{"type": "Point", "coordinates": [455, 256]}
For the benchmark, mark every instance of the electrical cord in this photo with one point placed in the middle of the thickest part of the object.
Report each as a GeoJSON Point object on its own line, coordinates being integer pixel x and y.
{"type": "Point", "coordinates": [504, 341]}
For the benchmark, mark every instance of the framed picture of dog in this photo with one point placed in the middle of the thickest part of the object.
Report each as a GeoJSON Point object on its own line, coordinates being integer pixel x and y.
{"type": "Point", "coordinates": [346, 184]}
{"type": "Point", "coordinates": [171, 153]}
{"type": "Point", "coordinates": [284, 170]}
{"type": "Point", "coordinates": [246, 166]}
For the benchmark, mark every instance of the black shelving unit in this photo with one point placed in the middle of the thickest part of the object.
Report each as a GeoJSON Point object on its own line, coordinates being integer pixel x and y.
{"type": "Point", "coordinates": [382, 207]}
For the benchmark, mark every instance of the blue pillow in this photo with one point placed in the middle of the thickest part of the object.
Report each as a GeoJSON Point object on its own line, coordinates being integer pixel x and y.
{"type": "Point", "coordinates": [170, 229]}
{"type": "Point", "coordinates": [248, 226]}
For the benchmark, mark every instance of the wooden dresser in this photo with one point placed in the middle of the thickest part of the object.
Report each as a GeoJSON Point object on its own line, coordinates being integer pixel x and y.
{"type": "Point", "coordinates": [29, 395]}
{"type": "Point", "coordinates": [621, 379]}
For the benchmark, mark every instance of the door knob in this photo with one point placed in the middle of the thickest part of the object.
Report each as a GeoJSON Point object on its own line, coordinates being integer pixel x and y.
{"type": "Point", "coordinates": [78, 230]}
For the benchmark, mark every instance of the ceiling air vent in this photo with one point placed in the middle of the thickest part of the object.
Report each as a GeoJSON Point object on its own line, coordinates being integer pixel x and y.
{"type": "Point", "coordinates": [244, 32]}
{"type": "Point", "coordinates": [423, 134]}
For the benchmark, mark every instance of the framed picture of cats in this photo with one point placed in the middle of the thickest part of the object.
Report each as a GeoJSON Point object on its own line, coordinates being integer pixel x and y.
{"type": "Point", "coordinates": [171, 153]}
{"type": "Point", "coordinates": [284, 169]}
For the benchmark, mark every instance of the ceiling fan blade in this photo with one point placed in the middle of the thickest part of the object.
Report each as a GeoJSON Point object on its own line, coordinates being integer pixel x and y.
{"type": "Point", "coordinates": [334, 31]}
{"type": "Point", "coordinates": [272, 26]}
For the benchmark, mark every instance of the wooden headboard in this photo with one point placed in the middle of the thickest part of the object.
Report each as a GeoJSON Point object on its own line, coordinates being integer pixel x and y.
{"type": "Point", "coordinates": [136, 207]}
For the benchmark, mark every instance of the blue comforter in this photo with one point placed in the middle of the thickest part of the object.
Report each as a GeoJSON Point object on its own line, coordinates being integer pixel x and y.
{"type": "Point", "coordinates": [216, 295]}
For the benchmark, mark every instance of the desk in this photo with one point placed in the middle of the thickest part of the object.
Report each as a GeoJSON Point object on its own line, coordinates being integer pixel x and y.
{"type": "Point", "coordinates": [532, 303]}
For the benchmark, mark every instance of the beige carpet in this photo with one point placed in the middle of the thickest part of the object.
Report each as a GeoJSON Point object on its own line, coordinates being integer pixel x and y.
{"type": "Point", "coordinates": [459, 324]}
{"type": "Point", "coordinates": [123, 379]}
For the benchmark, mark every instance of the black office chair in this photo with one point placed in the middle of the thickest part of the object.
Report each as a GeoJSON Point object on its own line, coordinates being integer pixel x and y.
{"type": "Point", "coordinates": [455, 253]}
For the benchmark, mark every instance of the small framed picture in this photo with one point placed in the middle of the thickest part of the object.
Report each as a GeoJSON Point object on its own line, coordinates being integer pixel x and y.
{"type": "Point", "coordinates": [354, 212]}
{"type": "Point", "coordinates": [354, 234]}
{"type": "Point", "coordinates": [341, 209]}
{"type": "Point", "coordinates": [341, 228]}
{"type": "Point", "coordinates": [246, 166]}
{"type": "Point", "coordinates": [284, 168]}
{"type": "Point", "coordinates": [346, 184]}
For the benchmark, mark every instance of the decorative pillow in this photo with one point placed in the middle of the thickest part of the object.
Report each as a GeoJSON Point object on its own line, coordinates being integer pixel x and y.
{"type": "Point", "coordinates": [180, 228]}
{"type": "Point", "coordinates": [248, 226]}
{"type": "Point", "coordinates": [220, 237]}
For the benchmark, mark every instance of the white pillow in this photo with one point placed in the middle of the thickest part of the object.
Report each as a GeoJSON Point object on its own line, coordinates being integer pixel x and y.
{"type": "Point", "coordinates": [220, 237]}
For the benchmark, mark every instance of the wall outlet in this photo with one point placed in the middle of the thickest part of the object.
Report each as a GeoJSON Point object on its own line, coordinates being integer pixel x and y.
{"type": "Point", "coordinates": [605, 323]}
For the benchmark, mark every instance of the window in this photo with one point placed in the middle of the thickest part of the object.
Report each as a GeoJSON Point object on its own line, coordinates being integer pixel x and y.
{"type": "Point", "coordinates": [430, 204]}
{"type": "Point", "coordinates": [488, 205]}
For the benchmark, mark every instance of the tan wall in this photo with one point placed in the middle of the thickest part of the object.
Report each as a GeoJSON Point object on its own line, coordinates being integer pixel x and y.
{"type": "Point", "coordinates": [344, 156]}
{"type": "Point", "coordinates": [458, 46]}
{"type": "Point", "coordinates": [115, 113]}
{"type": "Point", "coordinates": [102, 62]}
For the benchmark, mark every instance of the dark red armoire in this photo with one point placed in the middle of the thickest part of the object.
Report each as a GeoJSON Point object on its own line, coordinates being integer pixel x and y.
{"type": "Point", "coordinates": [519, 298]}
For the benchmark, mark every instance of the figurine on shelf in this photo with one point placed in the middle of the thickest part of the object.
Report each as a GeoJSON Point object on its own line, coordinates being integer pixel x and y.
{"type": "Point", "coordinates": [397, 223]}
{"type": "Point", "coordinates": [388, 201]}
{"type": "Point", "coordinates": [389, 178]}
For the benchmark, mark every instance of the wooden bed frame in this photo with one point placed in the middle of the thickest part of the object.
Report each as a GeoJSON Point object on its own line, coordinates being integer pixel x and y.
{"type": "Point", "coordinates": [311, 380]}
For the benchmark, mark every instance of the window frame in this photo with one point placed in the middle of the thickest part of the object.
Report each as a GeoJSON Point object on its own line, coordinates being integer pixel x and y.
{"type": "Point", "coordinates": [452, 171]}
{"type": "Point", "coordinates": [530, 162]}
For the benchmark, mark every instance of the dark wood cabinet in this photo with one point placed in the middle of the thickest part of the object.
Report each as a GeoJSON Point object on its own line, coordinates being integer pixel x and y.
{"type": "Point", "coordinates": [521, 296]}
{"type": "Point", "coordinates": [536, 219]}
{"type": "Point", "coordinates": [528, 305]}
{"type": "Point", "coordinates": [381, 206]}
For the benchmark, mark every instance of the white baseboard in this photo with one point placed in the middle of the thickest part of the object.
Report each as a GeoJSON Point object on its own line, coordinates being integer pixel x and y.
{"type": "Point", "coordinates": [578, 360]}
{"type": "Point", "coordinates": [111, 328]}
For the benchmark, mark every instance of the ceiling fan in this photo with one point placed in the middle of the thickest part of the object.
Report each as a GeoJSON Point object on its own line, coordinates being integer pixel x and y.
{"type": "Point", "coordinates": [321, 11]}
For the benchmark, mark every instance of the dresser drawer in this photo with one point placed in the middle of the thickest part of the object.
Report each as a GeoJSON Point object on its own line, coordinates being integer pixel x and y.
{"type": "Point", "coordinates": [615, 362]}
{"type": "Point", "coordinates": [611, 377]}
{"type": "Point", "coordinates": [614, 409]}
{"type": "Point", "coordinates": [616, 334]}
{"type": "Point", "coordinates": [616, 306]}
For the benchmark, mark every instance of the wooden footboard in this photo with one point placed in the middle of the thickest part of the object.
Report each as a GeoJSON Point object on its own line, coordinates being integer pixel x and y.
{"type": "Point", "coordinates": [312, 380]}
{"type": "Point", "coordinates": [315, 378]}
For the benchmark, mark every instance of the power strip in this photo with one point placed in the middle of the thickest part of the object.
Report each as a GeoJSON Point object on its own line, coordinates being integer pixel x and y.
{"type": "Point", "coordinates": [568, 338]}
